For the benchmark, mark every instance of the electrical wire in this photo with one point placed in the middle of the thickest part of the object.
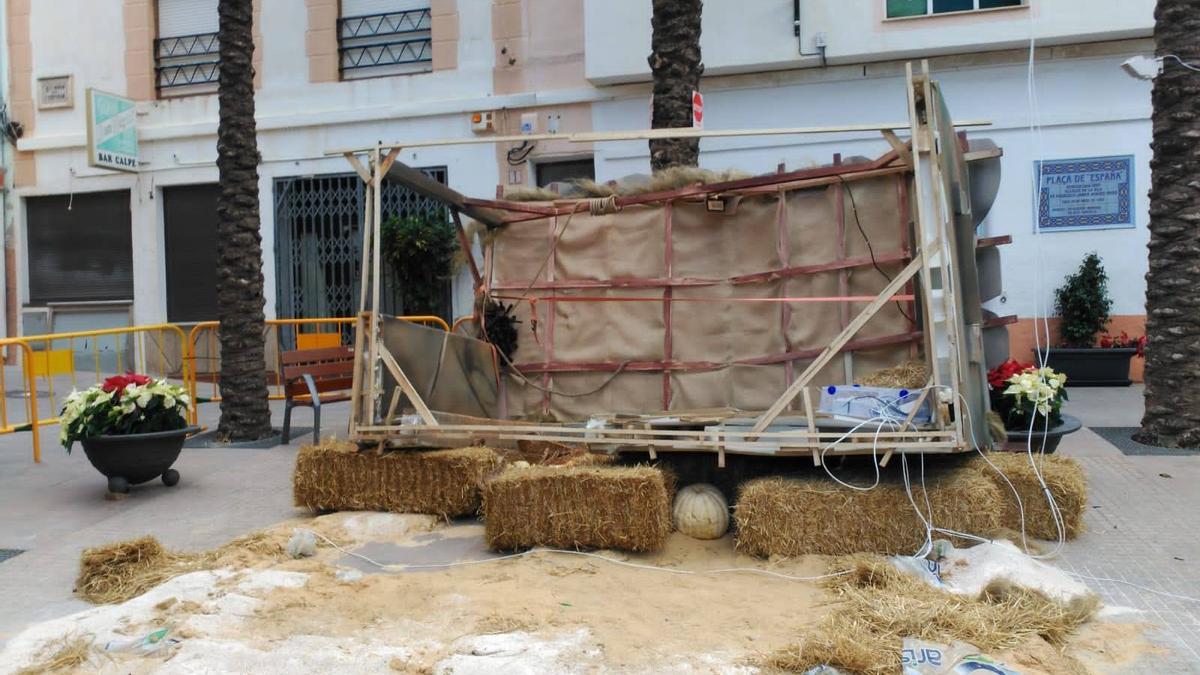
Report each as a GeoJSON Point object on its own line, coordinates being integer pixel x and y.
{"type": "Point", "coordinates": [1180, 61]}
{"type": "Point", "coordinates": [870, 249]}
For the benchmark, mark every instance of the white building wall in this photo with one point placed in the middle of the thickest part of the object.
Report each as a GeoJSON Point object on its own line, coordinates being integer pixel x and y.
{"type": "Point", "coordinates": [754, 35]}
{"type": "Point", "coordinates": [298, 123]}
{"type": "Point", "coordinates": [1087, 107]}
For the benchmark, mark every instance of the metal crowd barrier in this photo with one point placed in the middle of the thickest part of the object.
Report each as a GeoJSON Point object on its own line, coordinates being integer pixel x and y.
{"type": "Point", "coordinates": [51, 366]}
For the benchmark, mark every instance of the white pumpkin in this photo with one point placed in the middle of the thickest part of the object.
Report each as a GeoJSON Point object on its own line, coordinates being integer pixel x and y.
{"type": "Point", "coordinates": [701, 512]}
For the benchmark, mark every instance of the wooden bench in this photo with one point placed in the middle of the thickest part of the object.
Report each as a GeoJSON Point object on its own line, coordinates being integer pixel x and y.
{"type": "Point", "coordinates": [312, 377]}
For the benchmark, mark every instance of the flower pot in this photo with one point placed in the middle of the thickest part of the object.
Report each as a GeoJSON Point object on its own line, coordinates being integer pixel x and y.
{"type": "Point", "coordinates": [1043, 440]}
{"type": "Point", "coordinates": [130, 459]}
{"type": "Point", "coordinates": [1092, 367]}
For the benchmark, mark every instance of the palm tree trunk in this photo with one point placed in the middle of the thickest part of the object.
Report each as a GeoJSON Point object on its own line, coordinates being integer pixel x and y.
{"type": "Point", "coordinates": [1172, 417]}
{"type": "Point", "coordinates": [675, 64]}
{"type": "Point", "coordinates": [245, 414]}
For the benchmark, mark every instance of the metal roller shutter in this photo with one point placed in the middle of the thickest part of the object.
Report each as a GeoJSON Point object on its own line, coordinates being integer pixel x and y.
{"type": "Point", "coordinates": [83, 253]}
{"type": "Point", "coordinates": [365, 7]}
{"type": "Point", "coordinates": [186, 17]}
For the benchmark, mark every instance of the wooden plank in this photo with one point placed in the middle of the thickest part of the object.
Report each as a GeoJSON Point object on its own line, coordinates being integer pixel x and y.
{"type": "Point", "coordinates": [988, 242]}
{"type": "Point", "coordinates": [358, 167]}
{"type": "Point", "coordinates": [834, 347]}
{"type": "Point", "coordinates": [356, 379]}
{"type": "Point", "coordinates": [912, 414]}
{"type": "Point", "coordinates": [647, 134]}
{"type": "Point", "coordinates": [402, 380]}
{"type": "Point", "coordinates": [295, 356]}
{"type": "Point", "coordinates": [903, 152]}
{"type": "Point", "coordinates": [388, 160]}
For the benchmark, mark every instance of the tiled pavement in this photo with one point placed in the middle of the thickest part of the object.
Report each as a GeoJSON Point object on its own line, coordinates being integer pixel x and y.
{"type": "Point", "coordinates": [1142, 522]}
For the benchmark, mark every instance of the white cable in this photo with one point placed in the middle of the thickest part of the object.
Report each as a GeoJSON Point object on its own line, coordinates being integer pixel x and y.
{"type": "Point", "coordinates": [656, 568]}
{"type": "Point", "coordinates": [1180, 61]}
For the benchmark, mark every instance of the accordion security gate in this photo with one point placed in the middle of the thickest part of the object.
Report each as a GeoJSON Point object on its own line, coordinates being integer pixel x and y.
{"type": "Point", "coordinates": [318, 242]}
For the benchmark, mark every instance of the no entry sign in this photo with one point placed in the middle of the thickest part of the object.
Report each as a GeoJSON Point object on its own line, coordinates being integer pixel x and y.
{"type": "Point", "coordinates": [697, 110]}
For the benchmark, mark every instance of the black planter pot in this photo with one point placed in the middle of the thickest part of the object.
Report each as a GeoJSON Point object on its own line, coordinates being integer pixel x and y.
{"type": "Point", "coordinates": [1018, 439]}
{"type": "Point", "coordinates": [136, 458]}
{"type": "Point", "coordinates": [1092, 367]}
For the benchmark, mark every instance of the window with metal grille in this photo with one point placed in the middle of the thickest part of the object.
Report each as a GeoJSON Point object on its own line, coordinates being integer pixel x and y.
{"type": "Point", "coordinates": [384, 37]}
{"type": "Point", "coordinates": [897, 9]}
{"type": "Point", "coordinates": [80, 247]}
{"type": "Point", "coordinates": [186, 51]}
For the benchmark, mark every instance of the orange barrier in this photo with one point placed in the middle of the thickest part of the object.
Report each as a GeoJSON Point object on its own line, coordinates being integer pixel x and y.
{"type": "Point", "coordinates": [327, 332]}
{"type": "Point", "coordinates": [59, 359]}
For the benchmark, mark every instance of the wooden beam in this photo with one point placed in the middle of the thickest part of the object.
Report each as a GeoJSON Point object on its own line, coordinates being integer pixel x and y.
{"type": "Point", "coordinates": [912, 414]}
{"type": "Point", "coordinates": [405, 384]}
{"type": "Point", "coordinates": [648, 134]}
{"type": "Point", "coordinates": [884, 297]}
{"type": "Point", "coordinates": [358, 167]}
{"type": "Point", "coordinates": [901, 148]}
{"type": "Point", "coordinates": [386, 165]}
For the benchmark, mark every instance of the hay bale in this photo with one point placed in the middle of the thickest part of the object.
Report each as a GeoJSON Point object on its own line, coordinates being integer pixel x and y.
{"type": "Point", "coordinates": [125, 569]}
{"type": "Point", "coordinates": [339, 477]}
{"type": "Point", "coordinates": [1064, 477]}
{"type": "Point", "coordinates": [794, 517]}
{"type": "Point", "coordinates": [907, 375]}
{"type": "Point", "coordinates": [577, 507]}
{"type": "Point", "coordinates": [882, 605]}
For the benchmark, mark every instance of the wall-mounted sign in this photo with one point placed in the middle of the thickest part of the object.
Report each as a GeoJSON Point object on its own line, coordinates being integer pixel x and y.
{"type": "Point", "coordinates": [1085, 194]}
{"type": "Point", "coordinates": [112, 131]}
{"type": "Point", "coordinates": [55, 92]}
{"type": "Point", "coordinates": [697, 110]}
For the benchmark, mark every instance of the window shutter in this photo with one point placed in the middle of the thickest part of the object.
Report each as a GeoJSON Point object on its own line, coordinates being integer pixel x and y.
{"type": "Point", "coordinates": [82, 253]}
{"type": "Point", "coordinates": [186, 17]}
{"type": "Point", "coordinates": [365, 7]}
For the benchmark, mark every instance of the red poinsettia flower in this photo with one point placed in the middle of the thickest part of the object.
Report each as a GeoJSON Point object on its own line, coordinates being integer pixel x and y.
{"type": "Point", "coordinates": [999, 375]}
{"type": "Point", "coordinates": [117, 383]}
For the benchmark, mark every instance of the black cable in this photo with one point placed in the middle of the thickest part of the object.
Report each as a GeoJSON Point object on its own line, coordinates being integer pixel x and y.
{"type": "Point", "coordinates": [519, 154]}
{"type": "Point", "coordinates": [870, 249]}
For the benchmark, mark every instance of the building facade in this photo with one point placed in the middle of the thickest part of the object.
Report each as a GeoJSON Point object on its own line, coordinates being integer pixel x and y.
{"type": "Point", "coordinates": [90, 247]}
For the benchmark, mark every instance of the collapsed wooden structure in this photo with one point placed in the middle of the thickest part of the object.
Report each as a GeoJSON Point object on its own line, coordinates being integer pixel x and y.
{"type": "Point", "coordinates": [609, 289]}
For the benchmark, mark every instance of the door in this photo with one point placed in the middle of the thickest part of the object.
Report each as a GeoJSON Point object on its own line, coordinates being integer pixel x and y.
{"type": "Point", "coordinates": [318, 242]}
{"type": "Point", "coordinates": [190, 237]}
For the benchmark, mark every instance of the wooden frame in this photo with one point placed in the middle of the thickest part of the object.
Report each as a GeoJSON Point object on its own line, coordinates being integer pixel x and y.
{"type": "Point", "coordinates": [932, 255]}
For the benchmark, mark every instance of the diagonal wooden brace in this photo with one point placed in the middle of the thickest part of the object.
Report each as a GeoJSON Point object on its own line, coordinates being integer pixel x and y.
{"type": "Point", "coordinates": [402, 380]}
{"type": "Point", "coordinates": [884, 297]}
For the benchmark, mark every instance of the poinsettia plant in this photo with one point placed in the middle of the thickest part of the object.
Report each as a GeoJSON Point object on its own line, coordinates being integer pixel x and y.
{"type": "Point", "coordinates": [1023, 394]}
{"type": "Point", "coordinates": [123, 404]}
{"type": "Point", "coordinates": [1123, 341]}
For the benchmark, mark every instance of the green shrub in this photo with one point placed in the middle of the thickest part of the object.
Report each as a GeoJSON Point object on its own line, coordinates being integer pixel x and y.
{"type": "Point", "coordinates": [1083, 303]}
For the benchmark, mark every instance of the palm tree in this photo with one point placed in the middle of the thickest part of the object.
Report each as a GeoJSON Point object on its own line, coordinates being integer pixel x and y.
{"type": "Point", "coordinates": [245, 414]}
{"type": "Point", "coordinates": [1172, 417]}
{"type": "Point", "coordinates": [675, 63]}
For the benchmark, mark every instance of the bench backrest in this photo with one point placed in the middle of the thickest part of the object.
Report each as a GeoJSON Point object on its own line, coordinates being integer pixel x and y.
{"type": "Point", "coordinates": [331, 368]}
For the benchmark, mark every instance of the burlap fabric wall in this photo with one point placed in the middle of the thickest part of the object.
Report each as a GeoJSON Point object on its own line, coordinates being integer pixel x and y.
{"type": "Point", "coordinates": [717, 329]}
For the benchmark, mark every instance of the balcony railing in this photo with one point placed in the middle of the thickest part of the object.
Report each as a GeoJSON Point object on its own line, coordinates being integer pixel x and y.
{"type": "Point", "coordinates": [187, 64]}
{"type": "Point", "coordinates": [394, 43]}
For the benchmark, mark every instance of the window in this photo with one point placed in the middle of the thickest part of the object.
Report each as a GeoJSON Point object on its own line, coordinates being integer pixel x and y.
{"type": "Point", "coordinates": [897, 9]}
{"type": "Point", "coordinates": [62, 270]}
{"type": "Point", "coordinates": [384, 37]}
{"type": "Point", "coordinates": [564, 171]}
{"type": "Point", "coordinates": [190, 238]}
{"type": "Point", "coordinates": [186, 53]}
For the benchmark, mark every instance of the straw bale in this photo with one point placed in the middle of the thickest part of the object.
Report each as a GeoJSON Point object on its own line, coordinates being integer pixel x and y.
{"type": "Point", "coordinates": [1063, 475]}
{"type": "Point", "coordinates": [907, 375]}
{"type": "Point", "coordinates": [880, 606]}
{"type": "Point", "coordinates": [578, 507]}
{"type": "Point", "coordinates": [339, 477]}
{"type": "Point", "coordinates": [794, 517]}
